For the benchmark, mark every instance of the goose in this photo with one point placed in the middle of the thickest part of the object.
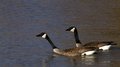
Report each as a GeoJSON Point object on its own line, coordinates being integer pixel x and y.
{"type": "Point", "coordinates": [104, 45]}
{"type": "Point", "coordinates": [68, 52]}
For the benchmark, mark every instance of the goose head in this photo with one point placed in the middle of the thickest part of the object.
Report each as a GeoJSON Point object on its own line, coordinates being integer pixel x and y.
{"type": "Point", "coordinates": [71, 29]}
{"type": "Point", "coordinates": [43, 35]}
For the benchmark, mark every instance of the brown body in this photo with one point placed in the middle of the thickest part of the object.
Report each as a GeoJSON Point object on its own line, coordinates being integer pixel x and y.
{"type": "Point", "coordinates": [77, 51]}
{"type": "Point", "coordinates": [97, 44]}
{"type": "Point", "coordinates": [68, 52]}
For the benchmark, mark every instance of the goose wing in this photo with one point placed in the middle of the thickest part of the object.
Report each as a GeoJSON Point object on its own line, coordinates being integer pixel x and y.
{"type": "Point", "coordinates": [98, 44]}
{"type": "Point", "coordinates": [79, 49]}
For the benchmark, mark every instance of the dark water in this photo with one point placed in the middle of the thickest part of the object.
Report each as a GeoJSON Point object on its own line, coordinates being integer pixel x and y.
{"type": "Point", "coordinates": [21, 20]}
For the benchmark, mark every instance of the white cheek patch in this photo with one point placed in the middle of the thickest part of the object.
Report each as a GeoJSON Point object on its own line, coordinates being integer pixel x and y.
{"type": "Point", "coordinates": [44, 36]}
{"type": "Point", "coordinates": [106, 47]}
{"type": "Point", "coordinates": [72, 30]}
{"type": "Point", "coordinates": [88, 52]}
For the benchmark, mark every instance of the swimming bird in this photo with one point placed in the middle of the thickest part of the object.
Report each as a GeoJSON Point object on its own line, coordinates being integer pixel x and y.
{"type": "Point", "coordinates": [103, 45]}
{"type": "Point", "coordinates": [68, 52]}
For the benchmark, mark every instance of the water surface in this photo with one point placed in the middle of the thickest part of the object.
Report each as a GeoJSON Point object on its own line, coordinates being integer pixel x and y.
{"type": "Point", "coordinates": [21, 20]}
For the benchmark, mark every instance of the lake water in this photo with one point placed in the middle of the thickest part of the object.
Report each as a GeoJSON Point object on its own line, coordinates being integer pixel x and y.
{"type": "Point", "coordinates": [21, 20]}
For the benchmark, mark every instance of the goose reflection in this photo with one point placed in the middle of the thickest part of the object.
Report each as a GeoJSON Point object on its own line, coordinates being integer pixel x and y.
{"type": "Point", "coordinates": [86, 60]}
{"type": "Point", "coordinates": [46, 61]}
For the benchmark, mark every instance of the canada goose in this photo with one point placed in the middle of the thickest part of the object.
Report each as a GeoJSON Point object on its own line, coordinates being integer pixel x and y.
{"type": "Point", "coordinates": [68, 52]}
{"type": "Point", "coordinates": [104, 45]}
{"type": "Point", "coordinates": [77, 40]}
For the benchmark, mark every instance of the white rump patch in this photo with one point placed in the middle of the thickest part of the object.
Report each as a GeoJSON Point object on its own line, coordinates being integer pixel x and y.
{"type": "Point", "coordinates": [72, 30]}
{"type": "Point", "coordinates": [44, 36]}
{"type": "Point", "coordinates": [88, 52]}
{"type": "Point", "coordinates": [106, 47]}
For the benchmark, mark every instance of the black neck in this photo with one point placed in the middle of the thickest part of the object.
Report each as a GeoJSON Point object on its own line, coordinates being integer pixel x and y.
{"type": "Point", "coordinates": [76, 36]}
{"type": "Point", "coordinates": [51, 43]}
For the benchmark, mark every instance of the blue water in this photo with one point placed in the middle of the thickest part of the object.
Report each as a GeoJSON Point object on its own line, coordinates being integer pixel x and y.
{"type": "Point", "coordinates": [21, 20]}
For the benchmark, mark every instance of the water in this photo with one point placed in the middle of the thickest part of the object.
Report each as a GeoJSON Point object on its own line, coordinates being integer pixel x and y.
{"type": "Point", "coordinates": [21, 20]}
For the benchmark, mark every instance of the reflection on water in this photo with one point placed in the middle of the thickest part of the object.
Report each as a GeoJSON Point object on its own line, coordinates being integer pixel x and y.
{"type": "Point", "coordinates": [88, 60]}
{"type": "Point", "coordinates": [46, 61]}
{"type": "Point", "coordinates": [103, 59]}
{"type": "Point", "coordinates": [73, 61]}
